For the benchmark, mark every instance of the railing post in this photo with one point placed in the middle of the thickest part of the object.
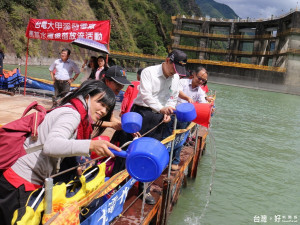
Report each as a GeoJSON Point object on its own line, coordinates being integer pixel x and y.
{"type": "Point", "coordinates": [48, 195]}
{"type": "Point", "coordinates": [172, 148]}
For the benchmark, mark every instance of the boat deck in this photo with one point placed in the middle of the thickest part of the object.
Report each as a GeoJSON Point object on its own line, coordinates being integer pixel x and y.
{"type": "Point", "coordinates": [165, 190]}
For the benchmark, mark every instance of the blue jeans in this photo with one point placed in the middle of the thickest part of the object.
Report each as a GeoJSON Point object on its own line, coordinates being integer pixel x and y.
{"type": "Point", "coordinates": [168, 131]}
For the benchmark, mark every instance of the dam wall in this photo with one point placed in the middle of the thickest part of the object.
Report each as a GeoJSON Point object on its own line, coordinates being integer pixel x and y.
{"type": "Point", "coordinates": [250, 78]}
{"type": "Point", "coordinates": [262, 54]}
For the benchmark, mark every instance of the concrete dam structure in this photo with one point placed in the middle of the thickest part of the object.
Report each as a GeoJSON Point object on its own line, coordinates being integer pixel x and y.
{"type": "Point", "coordinates": [262, 54]}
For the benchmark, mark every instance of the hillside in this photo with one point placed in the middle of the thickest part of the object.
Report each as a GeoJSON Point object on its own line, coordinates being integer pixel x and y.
{"type": "Point", "coordinates": [215, 9]}
{"type": "Point", "coordinates": [141, 26]}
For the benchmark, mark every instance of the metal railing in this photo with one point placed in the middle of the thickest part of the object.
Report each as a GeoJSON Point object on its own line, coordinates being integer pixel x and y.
{"type": "Point", "coordinates": [235, 36]}
{"type": "Point", "coordinates": [235, 64]}
{"type": "Point", "coordinates": [234, 20]}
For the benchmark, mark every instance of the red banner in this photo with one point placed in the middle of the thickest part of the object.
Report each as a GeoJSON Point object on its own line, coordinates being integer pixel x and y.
{"type": "Point", "coordinates": [68, 30]}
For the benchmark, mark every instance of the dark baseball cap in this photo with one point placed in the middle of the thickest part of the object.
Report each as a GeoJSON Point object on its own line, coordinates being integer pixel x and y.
{"type": "Point", "coordinates": [118, 74]}
{"type": "Point", "coordinates": [179, 58]}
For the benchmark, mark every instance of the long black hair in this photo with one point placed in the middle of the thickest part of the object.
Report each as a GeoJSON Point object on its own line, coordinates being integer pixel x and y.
{"type": "Point", "coordinates": [94, 60]}
{"type": "Point", "coordinates": [92, 88]}
{"type": "Point", "coordinates": [93, 72]}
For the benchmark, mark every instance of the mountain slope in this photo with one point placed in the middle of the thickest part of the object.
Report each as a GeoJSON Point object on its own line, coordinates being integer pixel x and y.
{"type": "Point", "coordinates": [215, 9]}
{"type": "Point", "coordinates": [141, 26]}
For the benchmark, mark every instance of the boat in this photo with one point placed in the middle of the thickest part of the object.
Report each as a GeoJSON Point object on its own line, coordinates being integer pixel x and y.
{"type": "Point", "coordinates": [118, 196]}
{"type": "Point", "coordinates": [11, 81]}
{"type": "Point", "coordinates": [120, 201]}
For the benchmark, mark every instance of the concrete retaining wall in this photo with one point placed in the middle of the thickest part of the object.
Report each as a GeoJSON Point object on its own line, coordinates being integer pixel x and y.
{"type": "Point", "coordinates": [250, 78]}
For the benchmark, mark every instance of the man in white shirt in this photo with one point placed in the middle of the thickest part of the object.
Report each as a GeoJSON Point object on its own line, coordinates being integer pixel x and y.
{"type": "Point", "coordinates": [190, 89]}
{"type": "Point", "coordinates": [61, 72]}
{"type": "Point", "coordinates": [157, 98]}
{"type": "Point", "coordinates": [158, 92]}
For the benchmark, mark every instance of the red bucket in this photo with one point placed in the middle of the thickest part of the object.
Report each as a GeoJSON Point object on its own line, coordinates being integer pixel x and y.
{"type": "Point", "coordinates": [203, 111]}
{"type": "Point", "coordinates": [105, 138]}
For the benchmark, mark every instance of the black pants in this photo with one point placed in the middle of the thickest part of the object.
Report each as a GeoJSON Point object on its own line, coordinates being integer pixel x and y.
{"type": "Point", "coordinates": [150, 120]}
{"type": "Point", "coordinates": [11, 198]}
{"type": "Point", "coordinates": [61, 87]}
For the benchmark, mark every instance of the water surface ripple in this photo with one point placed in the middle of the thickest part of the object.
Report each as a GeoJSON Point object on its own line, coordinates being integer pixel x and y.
{"type": "Point", "coordinates": [257, 139]}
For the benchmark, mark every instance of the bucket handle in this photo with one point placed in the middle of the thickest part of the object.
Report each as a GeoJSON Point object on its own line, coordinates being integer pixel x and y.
{"type": "Point", "coordinates": [122, 153]}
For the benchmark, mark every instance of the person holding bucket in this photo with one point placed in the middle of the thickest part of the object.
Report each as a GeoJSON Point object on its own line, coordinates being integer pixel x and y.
{"type": "Point", "coordinates": [190, 91]}
{"type": "Point", "coordinates": [64, 132]}
{"type": "Point", "coordinates": [114, 79]}
{"type": "Point", "coordinates": [157, 97]}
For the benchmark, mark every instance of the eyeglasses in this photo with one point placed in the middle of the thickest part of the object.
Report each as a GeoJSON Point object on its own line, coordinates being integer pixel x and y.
{"type": "Point", "coordinates": [202, 79]}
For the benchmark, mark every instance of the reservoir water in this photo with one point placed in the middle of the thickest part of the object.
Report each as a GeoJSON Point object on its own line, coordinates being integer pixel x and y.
{"type": "Point", "coordinates": [256, 136]}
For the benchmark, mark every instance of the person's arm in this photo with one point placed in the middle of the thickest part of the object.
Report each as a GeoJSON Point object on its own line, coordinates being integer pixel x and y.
{"type": "Point", "coordinates": [84, 65]}
{"type": "Point", "coordinates": [73, 78]}
{"type": "Point", "coordinates": [172, 101]}
{"type": "Point", "coordinates": [113, 123]}
{"type": "Point", "coordinates": [126, 100]}
{"type": "Point", "coordinates": [77, 72]}
{"type": "Point", "coordinates": [51, 69]}
{"type": "Point", "coordinates": [146, 91]}
{"type": "Point", "coordinates": [201, 96]}
{"type": "Point", "coordinates": [60, 140]}
{"type": "Point", "coordinates": [52, 76]}
{"type": "Point", "coordinates": [183, 96]}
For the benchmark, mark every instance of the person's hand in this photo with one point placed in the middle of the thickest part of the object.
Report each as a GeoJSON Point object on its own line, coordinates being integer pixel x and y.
{"type": "Point", "coordinates": [117, 125]}
{"type": "Point", "coordinates": [71, 80]}
{"type": "Point", "coordinates": [213, 110]}
{"type": "Point", "coordinates": [79, 171]}
{"type": "Point", "coordinates": [84, 63]}
{"type": "Point", "coordinates": [190, 100]}
{"type": "Point", "coordinates": [210, 99]}
{"type": "Point", "coordinates": [167, 118]}
{"type": "Point", "coordinates": [100, 147]}
{"type": "Point", "coordinates": [167, 110]}
{"type": "Point", "coordinates": [136, 135]}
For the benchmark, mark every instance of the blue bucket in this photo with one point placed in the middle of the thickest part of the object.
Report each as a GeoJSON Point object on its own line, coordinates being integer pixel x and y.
{"type": "Point", "coordinates": [131, 122]}
{"type": "Point", "coordinates": [185, 112]}
{"type": "Point", "coordinates": [146, 158]}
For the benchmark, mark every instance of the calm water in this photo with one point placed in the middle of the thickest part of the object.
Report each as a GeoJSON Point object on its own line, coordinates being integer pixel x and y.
{"type": "Point", "coordinates": [257, 177]}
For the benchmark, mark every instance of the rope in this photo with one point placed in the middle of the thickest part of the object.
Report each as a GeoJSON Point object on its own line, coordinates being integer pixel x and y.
{"type": "Point", "coordinates": [75, 167]}
{"type": "Point", "coordinates": [128, 142]}
{"type": "Point", "coordinates": [213, 170]}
